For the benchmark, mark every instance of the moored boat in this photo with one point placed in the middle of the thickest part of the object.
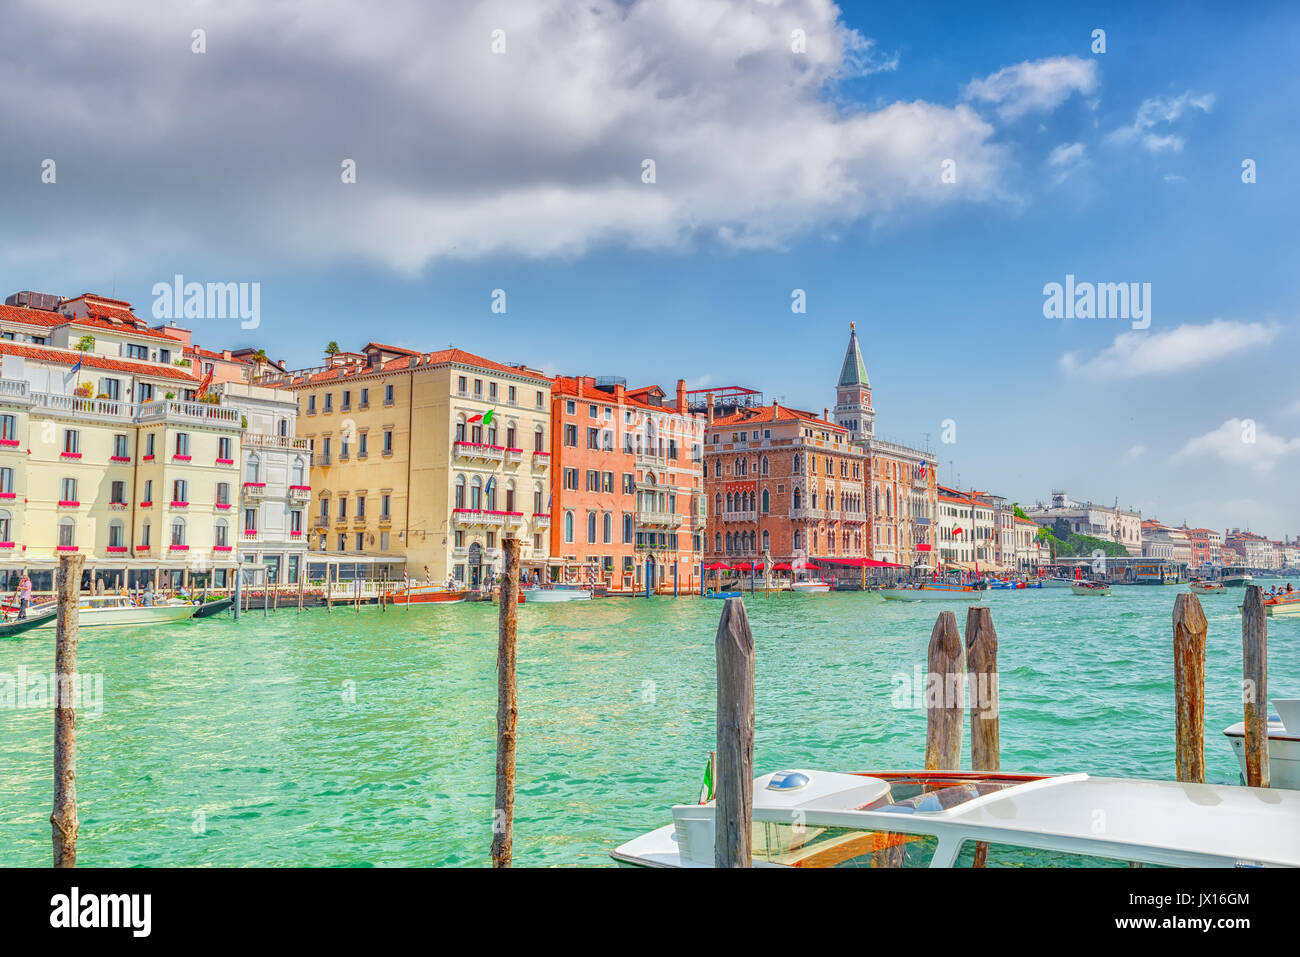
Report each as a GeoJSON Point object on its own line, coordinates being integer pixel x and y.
{"type": "Point", "coordinates": [1236, 576]}
{"type": "Point", "coordinates": [425, 595]}
{"type": "Point", "coordinates": [111, 611]}
{"type": "Point", "coordinates": [554, 593]}
{"type": "Point", "coordinates": [1207, 588]}
{"type": "Point", "coordinates": [16, 626]}
{"type": "Point", "coordinates": [1099, 589]}
{"type": "Point", "coordinates": [1283, 744]}
{"type": "Point", "coordinates": [722, 594]}
{"type": "Point", "coordinates": [933, 592]}
{"type": "Point", "coordinates": [811, 585]}
{"type": "Point", "coordinates": [808, 818]}
{"type": "Point", "coordinates": [1056, 583]}
{"type": "Point", "coordinates": [215, 607]}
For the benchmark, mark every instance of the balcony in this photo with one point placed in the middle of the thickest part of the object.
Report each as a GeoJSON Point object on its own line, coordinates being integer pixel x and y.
{"type": "Point", "coordinates": [15, 392]}
{"type": "Point", "coordinates": [514, 456]}
{"type": "Point", "coordinates": [651, 517]}
{"type": "Point", "coordinates": [299, 494]}
{"type": "Point", "coordinates": [541, 460]}
{"type": "Point", "coordinates": [478, 451]}
{"type": "Point", "coordinates": [260, 440]}
{"type": "Point", "coordinates": [542, 519]}
{"type": "Point", "coordinates": [747, 515]}
{"type": "Point", "coordinates": [514, 519]}
{"type": "Point", "coordinates": [807, 514]}
{"type": "Point", "coordinates": [188, 413]}
{"type": "Point", "coordinates": [853, 518]}
{"type": "Point", "coordinates": [254, 491]}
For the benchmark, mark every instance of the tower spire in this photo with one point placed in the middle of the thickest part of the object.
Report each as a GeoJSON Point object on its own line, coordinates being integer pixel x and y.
{"type": "Point", "coordinates": [854, 370]}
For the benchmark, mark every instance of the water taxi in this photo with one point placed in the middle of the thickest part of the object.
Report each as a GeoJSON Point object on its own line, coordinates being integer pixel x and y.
{"type": "Point", "coordinates": [806, 818]}
{"type": "Point", "coordinates": [1207, 588]}
{"type": "Point", "coordinates": [933, 592]}
{"type": "Point", "coordinates": [425, 594]}
{"type": "Point", "coordinates": [1057, 583]}
{"type": "Point", "coordinates": [112, 611]}
{"type": "Point", "coordinates": [811, 586]}
{"type": "Point", "coordinates": [722, 594]}
{"type": "Point", "coordinates": [1099, 589]}
{"type": "Point", "coordinates": [1283, 744]}
{"type": "Point", "coordinates": [1280, 605]}
{"type": "Point", "coordinates": [553, 593]}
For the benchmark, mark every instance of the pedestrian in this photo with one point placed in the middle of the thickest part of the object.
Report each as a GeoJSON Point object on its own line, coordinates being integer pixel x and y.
{"type": "Point", "coordinates": [24, 596]}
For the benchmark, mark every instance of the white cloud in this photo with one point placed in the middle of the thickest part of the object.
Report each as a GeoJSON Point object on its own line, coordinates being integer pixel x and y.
{"type": "Point", "coordinates": [461, 153]}
{"type": "Point", "coordinates": [1135, 452]}
{"type": "Point", "coordinates": [1066, 154]}
{"type": "Point", "coordinates": [1156, 111]}
{"type": "Point", "coordinates": [1134, 354]}
{"type": "Point", "coordinates": [1241, 442]}
{"type": "Point", "coordinates": [1033, 86]}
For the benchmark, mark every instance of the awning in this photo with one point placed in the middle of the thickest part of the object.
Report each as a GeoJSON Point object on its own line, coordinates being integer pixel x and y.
{"type": "Point", "coordinates": [717, 566]}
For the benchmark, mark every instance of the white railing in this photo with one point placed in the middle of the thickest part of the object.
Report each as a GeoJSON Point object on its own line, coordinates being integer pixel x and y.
{"type": "Point", "coordinates": [807, 513]}
{"type": "Point", "coordinates": [188, 411]}
{"type": "Point", "coordinates": [262, 440]}
{"type": "Point", "coordinates": [77, 405]}
{"type": "Point", "coordinates": [650, 517]}
{"type": "Point", "coordinates": [15, 389]}
{"type": "Point", "coordinates": [740, 515]}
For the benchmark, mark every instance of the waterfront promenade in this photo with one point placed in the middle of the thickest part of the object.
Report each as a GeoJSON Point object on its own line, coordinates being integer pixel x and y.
{"type": "Point", "coordinates": [368, 738]}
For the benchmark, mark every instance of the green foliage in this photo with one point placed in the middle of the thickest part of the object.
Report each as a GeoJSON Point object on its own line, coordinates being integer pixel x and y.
{"type": "Point", "coordinates": [1075, 545]}
{"type": "Point", "coordinates": [1019, 512]}
{"type": "Point", "coordinates": [85, 343]}
{"type": "Point", "coordinates": [332, 349]}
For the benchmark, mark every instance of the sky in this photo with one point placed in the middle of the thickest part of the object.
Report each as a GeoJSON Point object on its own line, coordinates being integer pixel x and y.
{"type": "Point", "coordinates": [925, 171]}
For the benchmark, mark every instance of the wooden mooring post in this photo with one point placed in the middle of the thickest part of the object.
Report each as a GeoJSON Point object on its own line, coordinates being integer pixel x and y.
{"type": "Point", "coordinates": [982, 676]}
{"type": "Point", "coordinates": [945, 671]}
{"type": "Point", "coordinates": [503, 819]}
{"type": "Point", "coordinates": [734, 778]}
{"type": "Point", "coordinates": [1254, 685]}
{"type": "Point", "coordinates": [236, 605]}
{"type": "Point", "coordinates": [63, 820]}
{"type": "Point", "coordinates": [1189, 688]}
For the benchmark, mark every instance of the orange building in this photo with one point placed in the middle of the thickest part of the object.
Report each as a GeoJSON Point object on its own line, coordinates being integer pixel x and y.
{"type": "Point", "coordinates": [627, 486]}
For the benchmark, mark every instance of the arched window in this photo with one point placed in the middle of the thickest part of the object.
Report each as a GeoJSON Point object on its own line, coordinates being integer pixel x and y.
{"type": "Point", "coordinates": [729, 503]}
{"type": "Point", "coordinates": [510, 495]}
{"type": "Point", "coordinates": [717, 541]}
{"type": "Point", "coordinates": [67, 533]}
{"type": "Point", "coordinates": [221, 533]}
{"type": "Point", "coordinates": [705, 472]}
{"type": "Point", "coordinates": [717, 503]}
{"type": "Point", "coordinates": [299, 472]}
{"type": "Point", "coordinates": [794, 466]}
{"type": "Point", "coordinates": [766, 503]}
{"type": "Point", "coordinates": [539, 440]}
{"type": "Point", "coordinates": [765, 464]}
{"type": "Point", "coordinates": [460, 427]}
{"type": "Point", "coordinates": [252, 468]}
{"type": "Point", "coordinates": [568, 526]}
{"type": "Point", "coordinates": [6, 526]}
{"type": "Point", "coordinates": [798, 498]}
{"type": "Point", "coordinates": [591, 528]}
{"type": "Point", "coordinates": [607, 529]}
{"type": "Point", "coordinates": [115, 531]}
{"type": "Point", "coordinates": [178, 531]}
{"type": "Point", "coordinates": [476, 493]}
{"type": "Point", "coordinates": [767, 540]}
{"type": "Point", "coordinates": [628, 528]}
{"type": "Point", "coordinates": [460, 492]}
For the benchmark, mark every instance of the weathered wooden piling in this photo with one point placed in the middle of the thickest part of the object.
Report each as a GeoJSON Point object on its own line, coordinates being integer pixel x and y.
{"type": "Point", "coordinates": [329, 592]}
{"type": "Point", "coordinates": [982, 677]}
{"type": "Point", "coordinates": [1189, 687]}
{"type": "Point", "coordinates": [943, 702]}
{"type": "Point", "coordinates": [1254, 685]}
{"type": "Point", "coordinates": [236, 605]}
{"type": "Point", "coordinates": [503, 823]}
{"type": "Point", "coordinates": [302, 578]}
{"type": "Point", "coordinates": [63, 820]}
{"type": "Point", "coordinates": [734, 780]}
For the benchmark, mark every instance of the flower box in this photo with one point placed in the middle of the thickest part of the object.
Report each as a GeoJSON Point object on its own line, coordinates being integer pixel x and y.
{"type": "Point", "coordinates": [225, 461]}
{"type": "Point", "coordinates": [66, 548]}
{"type": "Point", "coordinates": [254, 485]}
{"type": "Point", "coordinates": [115, 549]}
{"type": "Point", "coordinates": [8, 494]}
{"type": "Point", "coordinates": [182, 458]}
{"type": "Point", "coordinates": [117, 506]}
{"type": "Point", "coordinates": [9, 443]}
{"type": "Point", "coordinates": [146, 458]}
{"type": "Point", "coordinates": [69, 504]}
{"type": "Point", "coordinates": [180, 504]}
{"type": "Point", "coordinates": [6, 544]}
{"type": "Point", "coordinates": [223, 505]}
{"type": "Point", "coordinates": [146, 504]}
{"type": "Point", "coordinates": [221, 548]}
{"type": "Point", "coordinates": [120, 458]}
{"type": "Point", "coordinates": [299, 488]}
{"type": "Point", "coordinates": [295, 534]}
{"type": "Point", "coordinates": [69, 455]}
{"type": "Point", "coordinates": [178, 548]}
{"type": "Point", "coordinates": [544, 454]}
{"type": "Point", "coordinates": [250, 533]}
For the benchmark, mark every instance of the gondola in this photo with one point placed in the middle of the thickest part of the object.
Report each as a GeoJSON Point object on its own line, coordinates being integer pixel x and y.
{"type": "Point", "coordinates": [16, 627]}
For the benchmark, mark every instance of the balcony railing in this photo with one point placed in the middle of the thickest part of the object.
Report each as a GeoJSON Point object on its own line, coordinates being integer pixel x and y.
{"type": "Point", "coordinates": [652, 517]}
{"type": "Point", "coordinates": [740, 515]}
{"type": "Point", "coordinates": [807, 514]}
{"type": "Point", "coordinates": [175, 410]}
{"type": "Point", "coordinates": [261, 440]}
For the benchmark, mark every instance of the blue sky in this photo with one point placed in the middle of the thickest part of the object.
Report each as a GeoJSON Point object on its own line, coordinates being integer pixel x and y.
{"type": "Point", "coordinates": [773, 174]}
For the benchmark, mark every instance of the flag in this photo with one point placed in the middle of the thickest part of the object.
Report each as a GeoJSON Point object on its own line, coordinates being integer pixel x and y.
{"type": "Point", "coordinates": [956, 529]}
{"type": "Point", "coordinates": [922, 470]}
{"type": "Point", "coordinates": [706, 790]}
{"type": "Point", "coordinates": [76, 368]}
{"type": "Point", "coordinates": [485, 417]}
{"type": "Point", "coordinates": [205, 384]}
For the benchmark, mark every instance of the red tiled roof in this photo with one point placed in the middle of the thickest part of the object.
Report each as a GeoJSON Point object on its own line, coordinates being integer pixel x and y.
{"type": "Point", "coordinates": [567, 385]}
{"type": "Point", "coordinates": [209, 354]}
{"type": "Point", "coordinates": [772, 413]}
{"type": "Point", "coordinates": [442, 357]}
{"type": "Point", "coordinates": [69, 357]}
{"type": "Point", "coordinates": [50, 320]}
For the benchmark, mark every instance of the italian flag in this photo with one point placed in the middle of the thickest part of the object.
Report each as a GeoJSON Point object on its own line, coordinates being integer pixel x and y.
{"type": "Point", "coordinates": [484, 417]}
{"type": "Point", "coordinates": [706, 791]}
{"type": "Point", "coordinates": [956, 529]}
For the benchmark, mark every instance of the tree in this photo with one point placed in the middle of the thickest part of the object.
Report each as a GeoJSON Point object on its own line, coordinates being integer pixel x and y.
{"type": "Point", "coordinates": [332, 349]}
{"type": "Point", "coordinates": [1061, 529]}
{"type": "Point", "coordinates": [85, 343]}
{"type": "Point", "coordinates": [260, 357]}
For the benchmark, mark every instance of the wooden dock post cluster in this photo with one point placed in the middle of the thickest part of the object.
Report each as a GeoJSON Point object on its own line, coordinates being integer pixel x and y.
{"type": "Point", "coordinates": [734, 769]}
{"type": "Point", "coordinates": [503, 823]}
{"type": "Point", "coordinates": [945, 670]}
{"type": "Point", "coordinates": [1190, 631]}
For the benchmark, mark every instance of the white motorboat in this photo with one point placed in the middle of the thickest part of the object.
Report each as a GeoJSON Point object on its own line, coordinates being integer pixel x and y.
{"type": "Point", "coordinates": [1057, 583]}
{"type": "Point", "coordinates": [935, 592]}
{"type": "Point", "coordinates": [110, 611]}
{"type": "Point", "coordinates": [811, 585]}
{"type": "Point", "coordinates": [1280, 605]}
{"type": "Point", "coordinates": [1283, 744]}
{"type": "Point", "coordinates": [937, 818]}
{"type": "Point", "coordinates": [1207, 588]}
{"type": "Point", "coordinates": [551, 593]}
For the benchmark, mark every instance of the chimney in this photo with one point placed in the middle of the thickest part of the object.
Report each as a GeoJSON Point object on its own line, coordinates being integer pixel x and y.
{"type": "Point", "coordinates": [620, 392]}
{"type": "Point", "coordinates": [826, 414]}
{"type": "Point", "coordinates": [681, 396]}
{"type": "Point", "coordinates": [225, 354]}
{"type": "Point", "coordinates": [709, 408]}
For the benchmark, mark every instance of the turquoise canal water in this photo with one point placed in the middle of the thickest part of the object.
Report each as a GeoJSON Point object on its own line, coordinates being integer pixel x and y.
{"type": "Point", "coordinates": [368, 738]}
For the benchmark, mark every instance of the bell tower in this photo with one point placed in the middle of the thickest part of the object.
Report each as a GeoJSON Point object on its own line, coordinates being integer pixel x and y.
{"type": "Point", "coordinates": [853, 408]}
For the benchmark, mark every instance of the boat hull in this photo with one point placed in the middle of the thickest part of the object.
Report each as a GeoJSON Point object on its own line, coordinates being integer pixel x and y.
{"type": "Point", "coordinates": [128, 616]}
{"type": "Point", "coordinates": [1283, 754]}
{"type": "Point", "coordinates": [426, 595]}
{"type": "Point", "coordinates": [1206, 588]}
{"type": "Point", "coordinates": [16, 627]}
{"type": "Point", "coordinates": [549, 595]}
{"type": "Point", "coordinates": [1086, 590]}
{"type": "Point", "coordinates": [931, 594]}
{"type": "Point", "coordinates": [810, 587]}
{"type": "Point", "coordinates": [1237, 581]}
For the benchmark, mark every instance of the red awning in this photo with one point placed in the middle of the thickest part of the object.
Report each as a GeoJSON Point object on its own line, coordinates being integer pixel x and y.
{"type": "Point", "coordinates": [857, 562]}
{"type": "Point", "coordinates": [782, 567]}
{"type": "Point", "coordinates": [716, 566]}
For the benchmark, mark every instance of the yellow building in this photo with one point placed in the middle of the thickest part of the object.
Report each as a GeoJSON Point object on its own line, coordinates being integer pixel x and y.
{"type": "Point", "coordinates": [105, 452]}
{"type": "Point", "coordinates": [424, 461]}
